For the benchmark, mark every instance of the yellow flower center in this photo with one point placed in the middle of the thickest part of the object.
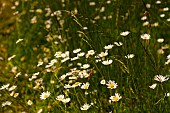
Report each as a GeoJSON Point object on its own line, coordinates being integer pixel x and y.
{"type": "Point", "coordinates": [111, 85]}
{"type": "Point", "coordinates": [45, 96]}
{"type": "Point", "coordinates": [115, 98]}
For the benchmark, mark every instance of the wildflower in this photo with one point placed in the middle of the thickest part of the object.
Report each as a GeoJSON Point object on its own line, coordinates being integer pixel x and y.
{"type": "Point", "coordinates": [85, 66]}
{"type": "Point", "coordinates": [103, 82]}
{"type": "Point", "coordinates": [76, 50]}
{"type": "Point", "coordinates": [85, 85]}
{"type": "Point", "coordinates": [145, 36]}
{"type": "Point", "coordinates": [153, 86]}
{"type": "Point", "coordinates": [60, 97]}
{"type": "Point", "coordinates": [108, 46]}
{"type": "Point", "coordinates": [167, 94]}
{"type": "Point", "coordinates": [118, 43]}
{"type": "Point", "coordinates": [160, 40]}
{"type": "Point", "coordinates": [15, 95]}
{"type": "Point", "coordinates": [107, 62]}
{"type": "Point", "coordinates": [168, 20]}
{"type": "Point", "coordinates": [62, 77]}
{"type": "Point", "coordinates": [34, 20]}
{"type": "Point", "coordinates": [16, 3]}
{"type": "Point", "coordinates": [160, 51]}
{"type": "Point", "coordinates": [145, 23]}
{"type": "Point", "coordinates": [161, 78]}
{"type": "Point", "coordinates": [81, 54]}
{"type": "Point", "coordinates": [29, 102]}
{"type": "Point", "coordinates": [79, 64]}
{"type": "Point", "coordinates": [148, 6]}
{"type": "Point", "coordinates": [65, 59]}
{"type": "Point", "coordinates": [6, 103]}
{"type": "Point", "coordinates": [129, 56]}
{"type": "Point", "coordinates": [102, 9]}
{"type": "Point", "coordinates": [108, 2]}
{"type": "Point", "coordinates": [166, 9]}
{"type": "Point", "coordinates": [4, 86]}
{"type": "Point", "coordinates": [92, 3]}
{"type": "Point", "coordinates": [44, 95]}
{"type": "Point", "coordinates": [111, 84]}
{"type": "Point", "coordinates": [65, 55]}
{"type": "Point", "coordinates": [39, 10]}
{"type": "Point", "coordinates": [12, 88]}
{"type": "Point", "coordinates": [85, 107]}
{"type": "Point", "coordinates": [85, 28]}
{"type": "Point", "coordinates": [66, 86]}
{"type": "Point", "coordinates": [13, 56]}
{"type": "Point", "coordinates": [124, 33]}
{"type": "Point", "coordinates": [144, 18]}
{"type": "Point", "coordinates": [1, 58]}
{"type": "Point", "coordinates": [117, 97]}
{"type": "Point", "coordinates": [103, 54]}
{"type": "Point", "coordinates": [19, 40]}
{"type": "Point", "coordinates": [66, 100]}
{"type": "Point", "coordinates": [58, 54]}
{"type": "Point", "coordinates": [40, 110]}
{"type": "Point", "coordinates": [74, 58]}
{"type": "Point", "coordinates": [158, 2]}
{"type": "Point", "coordinates": [168, 57]}
{"type": "Point", "coordinates": [162, 15]}
{"type": "Point", "coordinates": [155, 24]}
{"type": "Point", "coordinates": [73, 77]}
{"type": "Point", "coordinates": [76, 84]}
{"type": "Point", "coordinates": [90, 53]}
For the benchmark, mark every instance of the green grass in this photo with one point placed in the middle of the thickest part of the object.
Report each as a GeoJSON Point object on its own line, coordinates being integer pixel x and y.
{"type": "Point", "coordinates": [40, 43]}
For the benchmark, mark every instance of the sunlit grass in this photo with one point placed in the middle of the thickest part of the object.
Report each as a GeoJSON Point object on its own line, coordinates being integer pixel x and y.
{"type": "Point", "coordinates": [87, 56]}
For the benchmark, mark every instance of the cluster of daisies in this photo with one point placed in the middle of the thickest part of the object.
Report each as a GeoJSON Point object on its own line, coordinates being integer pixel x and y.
{"type": "Point", "coordinates": [12, 93]}
{"type": "Point", "coordinates": [159, 78]}
{"type": "Point", "coordinates": [161, 11]}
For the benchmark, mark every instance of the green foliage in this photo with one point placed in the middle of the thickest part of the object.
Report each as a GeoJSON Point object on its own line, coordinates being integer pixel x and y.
{"type": "Point", "coordinates": [61, 49]}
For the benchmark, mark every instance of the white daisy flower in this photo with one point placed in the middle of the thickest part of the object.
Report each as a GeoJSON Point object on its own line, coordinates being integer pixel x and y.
{"type": "Point", "coordinates": [60, 97]}
{"type": "Point", "coordinates": [76, 50]}
{"type": "Point", "coordinates": [117, 97]}
{"type": "Point", "coordinates": [85, 85]}
{"type": "Point", "coordinates": [124, 33]}
{"type": "Point", "coordinates": [111, 84]}
{"type": "Point", "coordinates": [44, 95]}
{"type": "Point", "coordinates": [29, 102]}
{"type": "Point", "coordinates": [118, 43]}
{"type": "Point", "coordinates": [12, 88]}
{"type": "Point", "coordinates": [19, 40]}
{"type": "Point", "coordinates": [6, 103]}
{"type": "Point", "coordinates": [58, 54]}
{"type": "Point", "coordinates": [85, 66]}
{"type": "Point", "coordinates": [144, 18]}
{"type": "Point", "coordinates": [161, 78]}
{"type": "Point", "coordinates": [76, 84]}
{"type": "Point", "coordinates": [108, 46]}
{"type": "Point", "coordinates": [160, 40]}
{"type": "Point", "coordinates": [13, 56]}
{"type": "Point", "coordinates": [129, 56]}
{"type": "Point", "coordinates": [158, 2]}
{"type": "Point", "coordinates": [4, 86]}
{"type": "Point", "coordinates": [145, 36]}
{"type": "Point", "coordinates": [103, 54]}
{"type": "Point", "coordinates": [81, 54]}
{"type": "Point", "coordinates": [103, 82]}
{"type": "Point", "coordinates": [153, 86]}
{"type": "Point", "coordinates": [107, 62]}
{"type": "Point", "coordinates": [66, 100]}
{"type": "Point", "coordinates": [85, 107]}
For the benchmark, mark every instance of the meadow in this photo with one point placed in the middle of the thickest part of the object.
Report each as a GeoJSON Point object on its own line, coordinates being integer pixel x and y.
{"type": "Point", "coordinates": [84, 56]}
